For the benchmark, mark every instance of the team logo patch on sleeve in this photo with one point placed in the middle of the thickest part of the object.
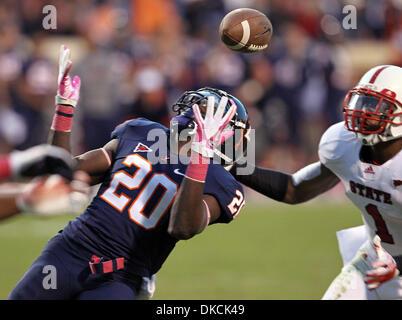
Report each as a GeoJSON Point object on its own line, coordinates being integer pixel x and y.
{"type": "Point", "coordinates": [142, 148]}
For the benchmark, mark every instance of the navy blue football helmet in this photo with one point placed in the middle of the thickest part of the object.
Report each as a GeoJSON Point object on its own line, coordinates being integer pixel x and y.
{"type": "Point", "coordinates": [234, 147]}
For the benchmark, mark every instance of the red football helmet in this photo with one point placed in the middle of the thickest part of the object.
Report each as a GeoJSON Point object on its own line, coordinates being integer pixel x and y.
{"type": "Point", "coordinates": [373, 108]}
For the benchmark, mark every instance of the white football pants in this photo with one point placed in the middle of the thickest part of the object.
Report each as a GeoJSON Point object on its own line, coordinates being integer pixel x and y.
{"type": "Point", "coordinates": [349, 284]}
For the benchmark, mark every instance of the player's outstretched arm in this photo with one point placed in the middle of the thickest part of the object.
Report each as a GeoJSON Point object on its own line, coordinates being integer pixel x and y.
{"type": "Point", "coordinates": [192, 211]}
{"type": "Point", "coordinates": [95, 162]}
{"type": "Point", "coordinates": [304, 185]}
{"type": "Point", "coordinates": [45, 196]}
{"type": "Point", "coordinates": [68, 93]}
{"type": "Point", "coordinates": [35, 161]}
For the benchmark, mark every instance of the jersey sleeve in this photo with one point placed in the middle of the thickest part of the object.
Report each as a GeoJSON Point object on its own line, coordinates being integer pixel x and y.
{"type": "Point", "coordinates": [137, 127]}
{"type": "Point", "coordinates": [119, 130]}
{"type": "Point", "coordinates": [226, 190]}
{"type": "Point", "coordinates": [333, 144]}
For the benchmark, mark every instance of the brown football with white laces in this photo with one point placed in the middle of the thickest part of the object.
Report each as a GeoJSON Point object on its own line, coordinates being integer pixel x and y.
{"type": "Point", "coordinates": [246, 30]}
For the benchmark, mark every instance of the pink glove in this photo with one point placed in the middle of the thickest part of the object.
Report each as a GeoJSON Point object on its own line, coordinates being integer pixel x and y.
{"type": "Point", "coordinates": [384, 267]}
{"type": "Point", "coordinates": [209, 132]}
{"type": "Point", "coordinates": [68, 92]}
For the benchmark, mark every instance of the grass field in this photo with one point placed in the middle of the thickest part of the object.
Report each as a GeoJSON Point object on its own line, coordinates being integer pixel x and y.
{"type": "Point", "coordinates": [271, 251]}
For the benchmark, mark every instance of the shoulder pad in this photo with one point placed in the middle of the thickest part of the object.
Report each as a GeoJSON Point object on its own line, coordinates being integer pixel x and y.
{"type": "Point", "coordinates": [335, 142]}
{"type": "Point", "coordinates": [139, 123]}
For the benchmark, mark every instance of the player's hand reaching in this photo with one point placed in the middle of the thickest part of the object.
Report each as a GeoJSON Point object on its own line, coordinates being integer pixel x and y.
{"type": "Point", "coordinates": [40, 160]}
{"type": "Point", "coordinates": [210, 130]}
{"type": "Point", "coordinates": [384, 268]}
{"type": "Point", "coordinates": [68, 91]}
{"type": "Point", "coordinates": [68, 94]}
{"type": "Point", "coordinates": [53, 195]}
{"type": "Point", "coordinates": [190, 212]}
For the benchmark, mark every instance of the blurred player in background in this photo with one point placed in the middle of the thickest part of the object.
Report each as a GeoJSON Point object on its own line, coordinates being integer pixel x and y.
{"type": "Point", "coordinates": [40, 195]}
{"type": "Point", "coordinates": [36, 161]}
{"type": "Point", "coordinates": [364, 152]}
{"type": "Point", "coordinates": [142, 208]}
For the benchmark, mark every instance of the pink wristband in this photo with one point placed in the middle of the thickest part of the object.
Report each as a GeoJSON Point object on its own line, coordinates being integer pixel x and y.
{"type": "Point", "coordinates": [5, 168]}
{"type": "Point", "coordinates": [63, 118]}
{"type": "Point", "coordinates": [198, 167]}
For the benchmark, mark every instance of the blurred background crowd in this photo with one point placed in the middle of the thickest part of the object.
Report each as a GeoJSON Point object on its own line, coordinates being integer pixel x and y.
{"type": "Point", "coordinates": [135, 58]}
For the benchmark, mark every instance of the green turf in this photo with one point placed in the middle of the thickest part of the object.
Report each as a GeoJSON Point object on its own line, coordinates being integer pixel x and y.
{"type": "Point", "coordinates": [271, 251]}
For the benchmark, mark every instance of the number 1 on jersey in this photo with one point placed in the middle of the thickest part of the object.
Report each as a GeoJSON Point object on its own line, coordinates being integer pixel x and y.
{"type": "Point", "coordinates": [382, 229]}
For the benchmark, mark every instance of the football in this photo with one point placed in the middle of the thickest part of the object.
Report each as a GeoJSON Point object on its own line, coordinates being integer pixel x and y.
{"type": "Point", "coordinates": [245, 30]}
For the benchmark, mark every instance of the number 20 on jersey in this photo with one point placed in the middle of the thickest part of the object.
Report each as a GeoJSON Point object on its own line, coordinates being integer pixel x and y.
{"type": "Point", "coordinates": [135, 211]}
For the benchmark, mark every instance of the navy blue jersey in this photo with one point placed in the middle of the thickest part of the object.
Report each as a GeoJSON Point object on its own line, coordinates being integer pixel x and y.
{"type": "Point", "coordinates": [129, 216]}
